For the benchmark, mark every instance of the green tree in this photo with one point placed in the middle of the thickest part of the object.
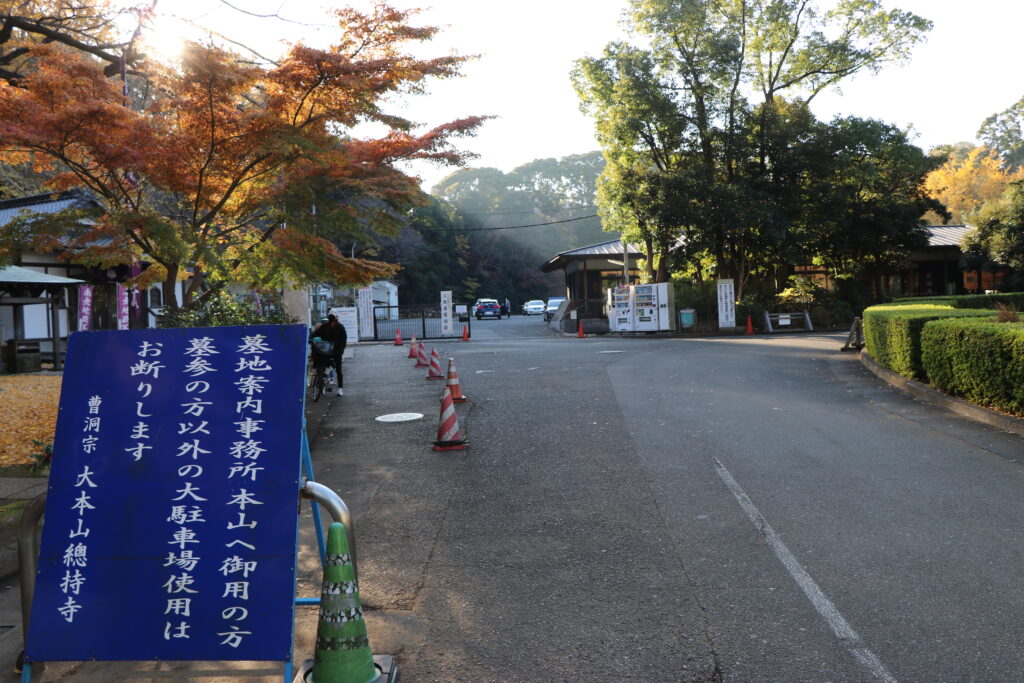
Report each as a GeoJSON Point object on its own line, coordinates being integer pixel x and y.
{"type": "Point", "coordinates": [864, 197]}
{"type": "Point", "coordinates": [715, 89]}
{"type": "Point", "coordinates": [999, 236]}
{"type": "Point", "coordinates": [1004, 133]}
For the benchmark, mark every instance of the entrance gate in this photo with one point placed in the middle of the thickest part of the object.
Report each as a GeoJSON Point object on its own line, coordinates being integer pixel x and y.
{"type": "Point", "coordinates": [423, 321]}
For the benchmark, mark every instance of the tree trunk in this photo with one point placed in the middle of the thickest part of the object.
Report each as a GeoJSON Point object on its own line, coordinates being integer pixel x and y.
{"type": "Point", "coordinates": [168, 286]}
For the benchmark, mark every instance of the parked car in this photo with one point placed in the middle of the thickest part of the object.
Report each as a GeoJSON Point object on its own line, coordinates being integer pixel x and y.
{"type": "Point", "coordinates": [535, 307]}
{"type": "Point", "coordinates": [488, 308]}
{"type": "Point", "coordinates": [553, 304]}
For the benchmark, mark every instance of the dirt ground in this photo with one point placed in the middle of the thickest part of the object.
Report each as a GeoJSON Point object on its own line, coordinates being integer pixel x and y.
{"type": "Point", "coordinates": [28, 411]}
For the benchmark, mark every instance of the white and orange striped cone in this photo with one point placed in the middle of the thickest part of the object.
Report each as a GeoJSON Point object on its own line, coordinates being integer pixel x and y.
{"type": "Point", "coordinates": [453, 383]}
{"type": "Point", "coordinates": [449, 436]}
{"type": "Point", "coordinates": [421, 356]}
{"type": "Point", "coordinates": [398, 337]}
{"type": "Point", "coordinates": [413, 349]}
{"type": "Point", "coordinates": [435, 365]}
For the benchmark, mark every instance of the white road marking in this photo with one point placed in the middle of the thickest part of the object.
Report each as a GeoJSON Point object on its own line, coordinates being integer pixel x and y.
{"type": "Point", "coordinates": [611, 351]}
{"type": "Point", "coordinates": [483, 372]}
{"type": "Point", "coordinates": [821, 603]}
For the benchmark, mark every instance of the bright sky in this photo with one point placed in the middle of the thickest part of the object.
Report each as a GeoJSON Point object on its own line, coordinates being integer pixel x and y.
{"type": "Point", "coordinates": [964, 73]}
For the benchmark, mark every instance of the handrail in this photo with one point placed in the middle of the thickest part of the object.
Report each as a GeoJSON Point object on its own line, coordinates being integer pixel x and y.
{"type": "Point", "coordinates": [333, 503]}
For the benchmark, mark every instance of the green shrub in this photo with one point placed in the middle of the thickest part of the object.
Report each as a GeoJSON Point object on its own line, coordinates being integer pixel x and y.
{"type": "Point", "coordinates": [1015, 299]}
{"type": "Point", "coordinates": [892, 333]}
{"type": "Point", "coordinates": [224, 309]}
{"type": "Point", "coordinates": [981, 360]}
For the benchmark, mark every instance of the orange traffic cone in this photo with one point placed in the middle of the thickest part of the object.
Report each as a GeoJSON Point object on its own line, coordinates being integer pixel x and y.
{"type": "Point", "coordinates": [750, 325]}
{"type": "Point", "coordinates": [398, 337]}
{"type": "Point", "coordinates": [421, 356]}
{"type": "Point", "coordinates": [453, 383]}
{"type": "Point", "coordinates": [449, 436]}
{"type": "Point", "coordinates": [435, 365]}
{"type": "Point", "coordinates": [465, 333]}
{"type": "Point", "coordinates": [579, 330]}
{"type": "Point", "coordinates": [413, 349]}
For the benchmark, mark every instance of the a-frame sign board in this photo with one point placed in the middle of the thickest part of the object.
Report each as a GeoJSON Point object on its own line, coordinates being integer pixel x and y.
{"type": "Point", "coordinates": [171, 527]}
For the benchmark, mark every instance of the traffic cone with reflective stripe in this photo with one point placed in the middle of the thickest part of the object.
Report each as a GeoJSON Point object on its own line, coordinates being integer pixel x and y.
{"type": "Point", "coordinates": [465, 333]}
{"type": "Point", "coordinates": [342, 652]}
{"type": "Point", "coordinates": [421, 356]}
{"type": "Point", "coordinates": [449, 436]}
{"type": "Point", "coordinates": [435, 365]}
{"type": "Point", "coordinates": [413, 352]}
{"type": "Point", "coordinates": [398, 337]}
{"type": "Point", "coordinates": [453, 383]}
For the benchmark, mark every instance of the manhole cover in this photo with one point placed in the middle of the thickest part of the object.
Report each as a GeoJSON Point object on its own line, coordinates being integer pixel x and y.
{"type": "Point", "coordinates": [400, 417]}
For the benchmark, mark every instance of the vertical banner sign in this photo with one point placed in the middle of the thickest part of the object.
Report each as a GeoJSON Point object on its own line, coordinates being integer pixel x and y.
{"type": "Point", "coordinates": [447, 324]}
{"type": "Point", "coordinates": [84, 307]}
{"type": "Point", "coordinates": [122, 308]}
{"type": "Point", "coordinates": [726, 303]}
{"type": "Point", "coordinates": [364, 302]}
{"type": "Point", "coordinates": [170, 516]}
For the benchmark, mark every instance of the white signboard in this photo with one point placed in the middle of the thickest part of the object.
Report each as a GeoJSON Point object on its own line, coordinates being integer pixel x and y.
{"type": "Point", "coordinates": [461, 309]}
{"type": "Point", "coordinates": [726, 303]}
{"type": "Point", "coordinates": [364, 302]}
{"type": "Point", "coordinates": [349, 317]}
{"type": "Point", "coordinates": [447, 324]}
{"type": "Point", "coordinates": [783, 319]}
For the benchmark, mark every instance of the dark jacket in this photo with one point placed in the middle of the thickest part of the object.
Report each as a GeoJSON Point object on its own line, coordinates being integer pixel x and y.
{"type": "Point", "coordinates": [335, 333]}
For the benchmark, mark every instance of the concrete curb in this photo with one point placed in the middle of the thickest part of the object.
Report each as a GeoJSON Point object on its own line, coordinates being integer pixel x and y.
{"type": "Point", "coordinates": [1014, 425]}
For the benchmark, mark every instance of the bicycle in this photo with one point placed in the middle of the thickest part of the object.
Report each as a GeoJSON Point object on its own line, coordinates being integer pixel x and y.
{"type": "Point", "coordinates": [316, 377]}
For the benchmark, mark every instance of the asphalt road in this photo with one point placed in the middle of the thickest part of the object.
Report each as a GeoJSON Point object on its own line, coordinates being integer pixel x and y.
{"type": "Point", "coordinates": [656, 509]}
{"type": "Point", "coordinates": [743, 508]}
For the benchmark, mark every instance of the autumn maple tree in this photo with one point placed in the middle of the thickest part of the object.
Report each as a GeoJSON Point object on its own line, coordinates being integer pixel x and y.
{"type": "Point", "coordinates": [226, 171]}
{"type": "Point", "coordinates": [970, 178]}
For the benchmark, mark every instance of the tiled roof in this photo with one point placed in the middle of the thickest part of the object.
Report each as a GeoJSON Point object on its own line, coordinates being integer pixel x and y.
{"type": "Point", "coordinates": [40, 203]}
{"type": "Point", "coordinates": [947, 235]}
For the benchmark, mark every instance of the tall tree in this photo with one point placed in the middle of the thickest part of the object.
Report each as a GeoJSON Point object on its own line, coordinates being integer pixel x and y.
{"type": "Point", "coordinates": [232, 172]}
{"type": "Point", "coordinates": [1004, 133]}
{"type": "Point", "coordinates": [705, 95]}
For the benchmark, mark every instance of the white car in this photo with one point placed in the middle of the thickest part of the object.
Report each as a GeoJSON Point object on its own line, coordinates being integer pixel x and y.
{"type": "Point", "coordinates": [552, 307]}
{"type": "Point", "coordinates": [535, 307]}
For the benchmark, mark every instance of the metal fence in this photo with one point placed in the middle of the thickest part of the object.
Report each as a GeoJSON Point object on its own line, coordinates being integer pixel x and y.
{"type": "Point", "coordinates": [421, 321]}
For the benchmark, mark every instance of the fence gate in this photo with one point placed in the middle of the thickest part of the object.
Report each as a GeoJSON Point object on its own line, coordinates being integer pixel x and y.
{"type": "Point", "coordinates": [423, 321]}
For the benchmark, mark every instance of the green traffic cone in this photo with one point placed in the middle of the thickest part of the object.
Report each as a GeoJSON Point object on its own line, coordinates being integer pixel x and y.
{"type": "Point", "coordinates": [342, 652]}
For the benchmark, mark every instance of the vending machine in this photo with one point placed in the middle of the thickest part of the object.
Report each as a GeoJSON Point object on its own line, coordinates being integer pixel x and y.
{"type": "Point", "coordinates": [620, 309]}
{"type": "Point", "coordinates": [642, 308]}
{"type": "Point", "coordinates": [645, 308]}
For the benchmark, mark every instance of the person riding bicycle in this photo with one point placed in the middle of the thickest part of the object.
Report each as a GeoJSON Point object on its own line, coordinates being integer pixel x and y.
{"type": "Point", "coordinates": [334, 332]}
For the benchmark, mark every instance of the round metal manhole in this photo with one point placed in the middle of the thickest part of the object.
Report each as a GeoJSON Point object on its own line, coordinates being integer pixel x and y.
{"type": "Point", "coordinates": [399, 417]}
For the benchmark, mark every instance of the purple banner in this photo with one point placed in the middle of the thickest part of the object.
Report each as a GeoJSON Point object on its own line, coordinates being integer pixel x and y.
{"type": "Point", "coordinates": [84, 308]}
{"type": "Point", "coordinates": [122, 308]}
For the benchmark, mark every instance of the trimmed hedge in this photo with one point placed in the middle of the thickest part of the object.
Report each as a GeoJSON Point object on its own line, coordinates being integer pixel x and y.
{"type": "Point", "coordinates": [892, 333]}
{"type": "Point", "coordinates": [981, 360]}
{"type": "Point", "coordinates": [989, 301]}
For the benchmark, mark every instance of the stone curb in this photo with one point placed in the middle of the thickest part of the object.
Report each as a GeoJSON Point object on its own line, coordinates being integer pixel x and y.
{"type": "Point", "coordinates": [1014, 425]}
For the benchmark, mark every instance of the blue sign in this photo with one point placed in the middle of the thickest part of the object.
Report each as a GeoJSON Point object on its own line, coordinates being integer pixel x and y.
{"type": "Point", "coordinates": [171, 523]}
